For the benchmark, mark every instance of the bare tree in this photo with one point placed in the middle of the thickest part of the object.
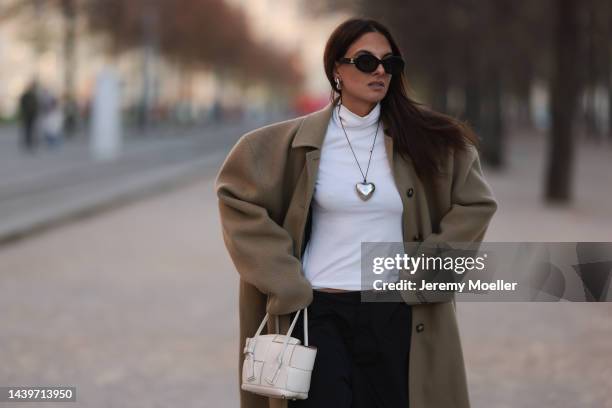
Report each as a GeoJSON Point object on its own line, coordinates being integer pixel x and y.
{"type": "Point", "coordinates": [70, 109]}
{"type": "Point", "coordinates": [564, 98]}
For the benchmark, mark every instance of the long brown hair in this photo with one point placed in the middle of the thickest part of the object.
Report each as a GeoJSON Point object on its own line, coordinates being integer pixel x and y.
{"type": "Point", "coordinates": [425, 135]}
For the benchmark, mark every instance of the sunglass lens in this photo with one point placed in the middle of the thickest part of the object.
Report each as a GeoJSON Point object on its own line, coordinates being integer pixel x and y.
{"type": "Point", "coordinates": [393, 65]}
{"type": "Point", "coordinates": [366, 63]}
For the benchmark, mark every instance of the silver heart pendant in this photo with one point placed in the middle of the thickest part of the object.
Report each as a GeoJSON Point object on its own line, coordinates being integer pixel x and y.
{"type": "Point", "coordinates": [365, 190]}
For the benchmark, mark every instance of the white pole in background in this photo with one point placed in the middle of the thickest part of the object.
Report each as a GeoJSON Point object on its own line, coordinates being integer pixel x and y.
{"type": "Point", "coordinates": [106, 140]}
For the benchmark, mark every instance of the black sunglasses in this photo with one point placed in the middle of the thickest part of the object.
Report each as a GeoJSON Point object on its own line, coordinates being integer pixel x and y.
{"type": "Point", "coordinates": [368, 63]}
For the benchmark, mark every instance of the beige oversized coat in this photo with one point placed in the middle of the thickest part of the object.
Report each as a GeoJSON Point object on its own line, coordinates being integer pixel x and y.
{"type": "Point", "coordinates": [265, 187]}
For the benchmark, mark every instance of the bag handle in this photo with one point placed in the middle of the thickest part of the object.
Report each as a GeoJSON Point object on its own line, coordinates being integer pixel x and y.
{"type": "Point", "coordinates": [265, 319]}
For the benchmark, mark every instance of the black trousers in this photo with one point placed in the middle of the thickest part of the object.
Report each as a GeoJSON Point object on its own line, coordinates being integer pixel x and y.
{"type": "Point", "coordinates": [363, 351]}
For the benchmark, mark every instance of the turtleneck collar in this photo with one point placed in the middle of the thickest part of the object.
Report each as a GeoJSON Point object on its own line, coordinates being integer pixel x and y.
{"type": "Point", "coordinates": [352, 120]}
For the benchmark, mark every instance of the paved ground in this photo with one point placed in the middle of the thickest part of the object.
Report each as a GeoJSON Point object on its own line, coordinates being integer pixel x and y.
{"type": "Point", "coordinates": [138, 307]}
{"type": "Point", "coordinates": [134, 307]}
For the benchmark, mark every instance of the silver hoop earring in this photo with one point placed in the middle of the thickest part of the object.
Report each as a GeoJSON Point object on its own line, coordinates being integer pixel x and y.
{"type": "Point", "coordinates": [338, 83]}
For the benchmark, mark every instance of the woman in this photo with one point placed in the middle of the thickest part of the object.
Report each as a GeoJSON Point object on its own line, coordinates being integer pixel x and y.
{"type": "Point", "coordinates": [298, 197]}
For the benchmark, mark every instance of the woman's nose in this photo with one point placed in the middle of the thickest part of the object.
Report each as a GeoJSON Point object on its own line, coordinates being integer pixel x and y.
{"type": "Point", "coordinates": [380, 70]}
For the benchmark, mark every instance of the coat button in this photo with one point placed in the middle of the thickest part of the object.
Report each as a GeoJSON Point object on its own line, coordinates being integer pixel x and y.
{"type": "Point", "coordinates": [420, 327]}
{"type": "Point", "coordinates": [410, 192]}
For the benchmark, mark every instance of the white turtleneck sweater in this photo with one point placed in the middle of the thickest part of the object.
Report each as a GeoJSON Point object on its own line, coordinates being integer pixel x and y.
{"type": "Point", "coordinates": [340, 219]}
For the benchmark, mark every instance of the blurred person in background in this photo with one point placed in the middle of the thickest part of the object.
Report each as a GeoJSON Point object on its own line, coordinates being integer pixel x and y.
{"type": "Point", "coordinates": [379, 167]}
{"type": "Point", "coordinates": [51, 121]}
{"type": "Point", "coordinates": [28, 113]}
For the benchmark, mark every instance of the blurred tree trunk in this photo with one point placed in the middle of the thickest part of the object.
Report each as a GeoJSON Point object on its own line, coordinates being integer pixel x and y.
{"type": "Point", "coordinates": [471, 89]}
{"type": "Point", "coordinates": [492, 126]}
{"type": "Point", "coordinates": [607, 65]}
{"type": "Point", "coordinates": [590, 94]}
{"type": "Point", "coordinates": [523, 95]}
{"type": "Point", "coordinates": [564, 96]}
{"type": "Point", "coordinates": [70, 108]}
{"type": "Point", "coordinates": [149, 25]}
{"type": "Point", "coordinates": [492, 123]}
{"type": "Point", "coordinates": [439, 88]}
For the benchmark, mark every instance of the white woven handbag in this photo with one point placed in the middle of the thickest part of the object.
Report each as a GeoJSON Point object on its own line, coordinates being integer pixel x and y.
{"type": "Point", "coordinates": [278, 366]}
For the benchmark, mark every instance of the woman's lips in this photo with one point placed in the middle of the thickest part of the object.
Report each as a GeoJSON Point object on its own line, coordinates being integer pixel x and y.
{"type": "Point", "coordinates": [376, 85]}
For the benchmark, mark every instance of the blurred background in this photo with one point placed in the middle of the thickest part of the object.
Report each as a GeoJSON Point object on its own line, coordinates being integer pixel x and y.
{"type": "Point", "coordinates": [116, 115]}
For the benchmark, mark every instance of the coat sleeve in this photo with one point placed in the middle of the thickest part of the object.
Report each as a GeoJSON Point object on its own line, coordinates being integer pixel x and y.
{"type": "Point", "coordinates": [472, 207]}
{"type": "Point", "coordinates": [472, 202]}
{"type": "Point", "coordinates": [261, 249]}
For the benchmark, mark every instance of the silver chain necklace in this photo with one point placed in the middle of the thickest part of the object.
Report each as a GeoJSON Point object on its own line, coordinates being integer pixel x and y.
{"type": "Point", "coordinates": [364, 189]}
